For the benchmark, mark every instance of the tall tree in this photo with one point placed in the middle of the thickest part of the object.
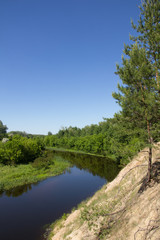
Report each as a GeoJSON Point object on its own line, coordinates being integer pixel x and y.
{"type": "Point", "coordinates": [3, 130]}
{"type": "Point", "coordinates": [138, 95]}
{"type": "Point", "coordinates": [148, 30]}
{"type": "Point", "coordinates": [49, 133]}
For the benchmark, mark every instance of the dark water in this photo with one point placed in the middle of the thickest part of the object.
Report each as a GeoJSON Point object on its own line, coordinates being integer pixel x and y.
{"type": "Point", "coordinates": [24, 211]}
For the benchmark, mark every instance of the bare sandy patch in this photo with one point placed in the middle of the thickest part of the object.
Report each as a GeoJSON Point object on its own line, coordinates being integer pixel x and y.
{"type": "Point", "coordinates": [123, 209]}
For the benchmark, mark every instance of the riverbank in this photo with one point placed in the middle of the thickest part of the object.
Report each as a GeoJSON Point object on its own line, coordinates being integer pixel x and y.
{"type": "Point", "coordinates": [80, 152]}
{"type": "Point", "coordinates": [14, 176]}
{"type": "Point", "coordinates": [126, 208]}
{"type": "Point", "coordinates": [43, 167]}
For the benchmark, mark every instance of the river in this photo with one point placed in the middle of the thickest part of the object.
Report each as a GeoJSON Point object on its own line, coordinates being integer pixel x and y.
{"type": "Point", "coordinates": [25, 211]}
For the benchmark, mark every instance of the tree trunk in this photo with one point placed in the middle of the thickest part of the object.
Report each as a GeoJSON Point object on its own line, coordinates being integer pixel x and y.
{"type": "Point", "coordinates": [149, 164]}
{"type": "Point", "coordinates": [157, 79]}
{"type": "Point", "coordinates": [150, 141]}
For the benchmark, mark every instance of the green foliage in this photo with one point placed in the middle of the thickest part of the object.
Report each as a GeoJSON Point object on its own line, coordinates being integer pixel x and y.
{"type": "Point", "coordinates": [114, 139]}
{"type": "Point", "coordinates": [101, 166]}
{"type": "Point", "coordinates": [139, 94]}
{"type": "Point", "coordinates": [21, 174]}
{"type": "Point", "coordinates": [3, 130]}
{"type": "Point", "coordinates": [64, 216]}
{"type": "Point", "coordinates": [22, 134]}
{"type": "Point", "coordinates": [148, 31]}
{"type": "Point", "coordinates": [45, 161]}
{"type": "Point", "coordinates": [49, 133]}
{"type": "Point", "coordinates": [20, 150]}
{"type": "Point", "coordinates": [122, 141]}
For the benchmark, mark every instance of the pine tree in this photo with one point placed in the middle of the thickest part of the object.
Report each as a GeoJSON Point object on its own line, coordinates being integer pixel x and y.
{"type": "Point", "coordinates": [137, 95]}
{"type": "Point", "coordinates": [148, 30]}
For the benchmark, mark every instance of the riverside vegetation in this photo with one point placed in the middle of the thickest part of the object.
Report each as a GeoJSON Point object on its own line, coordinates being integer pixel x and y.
{"type": "Point", "coordinates": [27, 158]}
{"type": "Point", "coordinates": [125, 209]}
{"type": "Point", "coordinates": [24, 160]}
{"type": "Point", "coordinates": [137, 124]}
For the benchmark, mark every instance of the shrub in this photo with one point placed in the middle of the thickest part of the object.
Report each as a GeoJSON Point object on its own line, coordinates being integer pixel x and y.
{"type": "Point", "coordinates": [20, 150]}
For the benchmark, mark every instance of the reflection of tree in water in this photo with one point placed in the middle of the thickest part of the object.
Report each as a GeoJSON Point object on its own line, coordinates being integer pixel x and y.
{"type": "Point", "coordinates": [17, 191]}
{"type": "Point", "coordinates": [101, 166]}
{"type": "Point", "coordinates": [98, 166]}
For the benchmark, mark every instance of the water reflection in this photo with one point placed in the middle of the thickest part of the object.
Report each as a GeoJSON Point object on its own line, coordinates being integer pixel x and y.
{"type": "Point", "coordinates": [17, 191]}
{"type": "Point", "coordinates": [98, 166]}
{"type": "Point", "coordinates": [26, 215]}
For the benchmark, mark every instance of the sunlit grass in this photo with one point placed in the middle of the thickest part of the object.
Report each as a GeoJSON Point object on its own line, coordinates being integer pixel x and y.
{"type": "Point", "coordinates": [13, 176]}
{"type": "Point", "coordinates": [61, 149]}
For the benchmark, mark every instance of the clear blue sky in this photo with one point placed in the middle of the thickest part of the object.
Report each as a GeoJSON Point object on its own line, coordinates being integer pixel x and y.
{"type": "Point", "coordinates": [57, 61]}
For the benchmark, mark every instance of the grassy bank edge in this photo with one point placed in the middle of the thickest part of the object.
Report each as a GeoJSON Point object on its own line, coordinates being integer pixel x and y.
{"type": "Point", "coordinates": [59, 222]}
{"type": "Point", "coordinates": [23, 174]}
{"type": "Point", "coordinates": [15, 176]}
{"type": "Point", "coordinates": [111, 198]}
{"type": "Point", "coordinates": [80, 152]}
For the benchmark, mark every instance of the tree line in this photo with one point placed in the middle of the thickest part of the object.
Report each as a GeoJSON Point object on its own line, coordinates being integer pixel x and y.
{"type": "Point", "coordinates": [111, 138]}
{"type": "Point", "coordinates": [138, 123]}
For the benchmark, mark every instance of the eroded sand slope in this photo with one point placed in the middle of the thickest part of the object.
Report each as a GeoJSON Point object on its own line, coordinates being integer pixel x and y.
{"type": "Point", "coordinates": [124, 209]}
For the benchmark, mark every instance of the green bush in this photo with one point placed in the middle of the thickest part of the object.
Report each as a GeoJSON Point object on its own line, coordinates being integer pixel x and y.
{"type": "Point", "coordinates": [42, 162]}
{"type": "Point", "coordinates": [20, 150]}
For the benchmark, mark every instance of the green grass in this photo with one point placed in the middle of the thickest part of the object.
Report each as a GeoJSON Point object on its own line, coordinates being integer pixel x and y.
{"type": "Point", "coordinates": [13, 176]}
{"type": "Point", "coordinates": [74, 151]}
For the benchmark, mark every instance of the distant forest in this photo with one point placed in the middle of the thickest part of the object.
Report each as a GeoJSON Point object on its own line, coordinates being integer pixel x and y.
{"type": "Point", "coordinates": [111, 138]}
{"type": "Point", "coordinates": [135, 126]}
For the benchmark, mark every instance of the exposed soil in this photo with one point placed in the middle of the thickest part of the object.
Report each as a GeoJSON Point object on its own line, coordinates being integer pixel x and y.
{"type": "Point", "coordinates": [128, 208]}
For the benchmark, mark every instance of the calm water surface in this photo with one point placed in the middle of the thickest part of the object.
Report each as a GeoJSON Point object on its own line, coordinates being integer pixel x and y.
{"type": "Point", "coordinates": [24, 211]}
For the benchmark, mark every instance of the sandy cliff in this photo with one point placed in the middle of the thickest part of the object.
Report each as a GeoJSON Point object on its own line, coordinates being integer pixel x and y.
{"type": "Point", "coordinates": [124, 209]}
